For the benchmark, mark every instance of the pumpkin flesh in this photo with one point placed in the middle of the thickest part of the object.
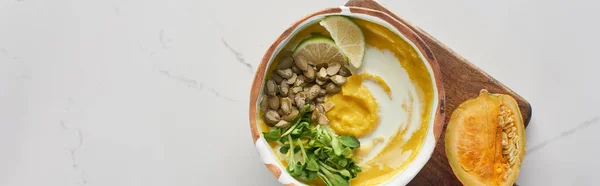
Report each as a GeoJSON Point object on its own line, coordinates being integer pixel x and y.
{"type": "Point", "coordinates": [485, 140]}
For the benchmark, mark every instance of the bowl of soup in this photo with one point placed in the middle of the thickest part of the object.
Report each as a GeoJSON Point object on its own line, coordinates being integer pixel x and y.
{"type": "Point", "coordinates": [392, 104]}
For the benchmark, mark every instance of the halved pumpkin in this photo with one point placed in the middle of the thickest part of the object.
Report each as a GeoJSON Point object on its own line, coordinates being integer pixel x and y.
{"type": "Point", "coordinates": [485, 140]}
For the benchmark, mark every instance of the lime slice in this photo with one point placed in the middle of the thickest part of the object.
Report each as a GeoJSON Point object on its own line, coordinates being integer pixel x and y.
{"type": "Point", "coordinates": [347, 36]}
{"type": "Point", "coordinates": [318, 49]}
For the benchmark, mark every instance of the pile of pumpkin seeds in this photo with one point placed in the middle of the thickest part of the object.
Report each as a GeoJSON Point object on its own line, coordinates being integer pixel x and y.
{"type": "Point", "coordinates": [296, 82]}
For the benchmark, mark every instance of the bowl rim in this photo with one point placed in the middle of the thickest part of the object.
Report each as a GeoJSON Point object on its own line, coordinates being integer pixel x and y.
{"type": "Point", "coordinates": [404, 30]}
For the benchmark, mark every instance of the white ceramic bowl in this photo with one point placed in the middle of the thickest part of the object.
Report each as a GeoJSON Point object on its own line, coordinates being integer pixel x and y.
{"type": "Point", "coordinates": [436, 116]}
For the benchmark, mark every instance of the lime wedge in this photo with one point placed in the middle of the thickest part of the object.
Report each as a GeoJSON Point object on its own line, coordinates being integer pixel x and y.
{"type": "Point", "coordinates": [318, 49]}
{"type": "Point", "coordinates": [348, 37]}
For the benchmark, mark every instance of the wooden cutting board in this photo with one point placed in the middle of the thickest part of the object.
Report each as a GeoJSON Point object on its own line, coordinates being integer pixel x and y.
{"type": "Point", "coordinates": [462, 80]}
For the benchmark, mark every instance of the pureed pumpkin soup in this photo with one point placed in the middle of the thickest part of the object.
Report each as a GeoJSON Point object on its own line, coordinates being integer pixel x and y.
{"type": "Point", "coordinates": [386, 103]}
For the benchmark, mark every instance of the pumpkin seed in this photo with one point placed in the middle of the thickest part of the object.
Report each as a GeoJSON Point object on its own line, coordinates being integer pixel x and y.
{"type": "Point", "coordinates": [282, 124]}
{"type": "Point", "coordinates": [271, 88]}
{"type": "Point", "coordinates": [509, 120]}
{"type": "Point", "coordinates": [301, 62]}
{"type": "Point", "coordinates": [511, 135]}
{"type": "Point", "coordinates": [331, 88]}
{"type": "Point", "coordinates": [300, 81]}
{"type": "Point", "coordinates": [310, 74]}
{"type": "Point", "coordinates": [313, 92]}
{"type": "Point", "coordinates": [338, 79]}
{"type": "Point", "coordinates": [322, 74]}
{"type": "Point", "coordinates": [328, 106]}
{"type": "Point", "coordinates": [300, 100]}
{"type": "Point", "coordinates": [286, 105]}
{"type": "Point", "coordinates": [272, 117]}
{"type": "Point", "coordinates": [292, 79]}
{"type": "Point", "coordinates": [285, 73]}
{"type": "Point", "coordinates": [333, 68]}
{"type": "Point", "coordinates": [296, 90]}
{"type": "Point", "coordinates": [285, 63]}
{"type": "Point", "coordinates": [293, 114]}
{"type": "Point", "coordinates": [284, 89]}
{"type": "Point", "coordinates": [344, 71]}
{"type": "Point", "coordinates": [274, 102]}
{"type": "Point", "coordinates": [504, 139]}
{"type": "Point", "coordinates": [509, 125]}
{"type": "Point", "coordinates": [277, 78]}
{"type": "Point", "coordinates": [320, 82]}
{"type": "Point", "coordinates": [296, 70]}
{"type": "Point", "coordinates": [322, 119]}
{"type": "Point", "coordinates": [263, 103]}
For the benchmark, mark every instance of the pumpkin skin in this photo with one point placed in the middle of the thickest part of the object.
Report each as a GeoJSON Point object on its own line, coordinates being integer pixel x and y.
{"type": "Point", "coordinates": [485, 140]}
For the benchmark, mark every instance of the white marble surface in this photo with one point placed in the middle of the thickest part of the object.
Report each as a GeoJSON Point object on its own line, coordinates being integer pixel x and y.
{"type": "Point", "coordinates": [155, 92]}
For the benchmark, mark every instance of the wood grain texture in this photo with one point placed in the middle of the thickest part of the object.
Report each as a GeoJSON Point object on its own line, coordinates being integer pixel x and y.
{"type": "Point", "coordinates": [462, 80]}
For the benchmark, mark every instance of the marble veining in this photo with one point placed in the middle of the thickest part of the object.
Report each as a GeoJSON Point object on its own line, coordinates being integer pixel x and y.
{"type": "Point", "coordinates": [162, 39]}
{"type": "Point", "coordinates": [145, 51]}
{"type": "Point", "coordinates": [69, 128]}
{"type": "Point", "coordinates": [194, 84]}
{"type": "Point", "coordinates": [238, 56]}
{"type": "Point", "coordinates": [221, 96]}
{"type": "Point", "coordinates": [587, 123]}
{"type": "Point", "coordinates": [187, 81]}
